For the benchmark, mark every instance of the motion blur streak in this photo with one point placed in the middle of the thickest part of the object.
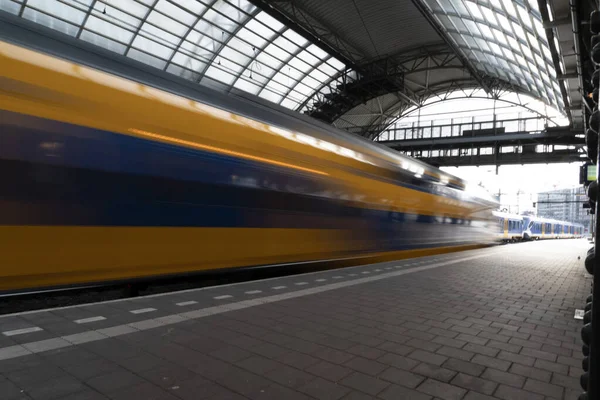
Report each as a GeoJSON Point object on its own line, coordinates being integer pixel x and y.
{"type": "Point", "coordinates": [103, 179]}
{"type": "Point", "coordinates": [222, 151]}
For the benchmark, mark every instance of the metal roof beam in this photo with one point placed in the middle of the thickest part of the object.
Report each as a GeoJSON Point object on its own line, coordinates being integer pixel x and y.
{"type": "Point", "coordinates": [557, 22]}
{"type": "Point", "coordinates": [561, 156]}
{"type": "Point", "coordinates": [543, 6]}
{"type": "Point", "coordinates": [565, 137]}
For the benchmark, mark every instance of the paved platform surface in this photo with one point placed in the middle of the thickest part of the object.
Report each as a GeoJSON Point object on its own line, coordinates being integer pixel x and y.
{"type": "Point", "coordinates": [494, 323]}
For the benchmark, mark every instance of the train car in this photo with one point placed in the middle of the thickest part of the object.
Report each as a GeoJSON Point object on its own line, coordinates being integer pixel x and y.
{"type": "Point", "coordinates": [536, 228]}
{"type": "Point", "coordinates": [510, 226]}
{"type": "Point", "coordinates": [105, 179]}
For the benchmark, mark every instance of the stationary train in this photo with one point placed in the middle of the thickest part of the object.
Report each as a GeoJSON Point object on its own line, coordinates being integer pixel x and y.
{"type": "Point", "coordinates": [104, 179]}
{"type": "Point", "coordinates": [513, 227]}
{"type": "Point", "coordinates": [510, 226]}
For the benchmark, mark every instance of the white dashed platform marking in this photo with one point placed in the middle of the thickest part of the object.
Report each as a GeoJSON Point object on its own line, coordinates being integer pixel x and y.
{"type": "Point", "coordinates": [279, 287]}
{"type": "Point", "coordinates": [320, 280]}
{"type": "Point", "coordinates": [22, 331]}
{"type": "Point", "coordinates": [225, 296]}
{"type": "Point", "coordinates": [254, 291]}
{"type": "Point", "coordinates": [301, 283]}
{"type": "Point", "coordinates": [142, 310]}
{"type": "Point", "coordinates": [186, 303]}
{"type": "Point", "coordinates": [90, 319]}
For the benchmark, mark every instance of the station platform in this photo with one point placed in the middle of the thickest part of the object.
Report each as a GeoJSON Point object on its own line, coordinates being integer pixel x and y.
{"type": "Point", "coordinates": [494, 323]}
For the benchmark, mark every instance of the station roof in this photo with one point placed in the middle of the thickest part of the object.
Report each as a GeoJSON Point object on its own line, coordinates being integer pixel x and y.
{"type": "Point", "coordinates": [300, 53]}
{"type": "Point", "coordinates": [224, 43]}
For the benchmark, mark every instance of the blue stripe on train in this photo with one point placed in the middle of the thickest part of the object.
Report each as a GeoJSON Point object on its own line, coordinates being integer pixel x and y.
{"type": "Point", "coordinates": [40, 140]}
{"type": "Point", "coordinates": [37, 194]}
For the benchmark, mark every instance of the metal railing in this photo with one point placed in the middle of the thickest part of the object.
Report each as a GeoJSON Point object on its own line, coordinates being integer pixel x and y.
{"type": "Point", "coordinates": [434, 130]}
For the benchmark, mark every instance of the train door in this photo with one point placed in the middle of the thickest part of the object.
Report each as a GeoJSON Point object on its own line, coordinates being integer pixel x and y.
{"type": "Point", "coordinates": [505, 228]}
{"type": "Point", "coordinates": [543, 230]}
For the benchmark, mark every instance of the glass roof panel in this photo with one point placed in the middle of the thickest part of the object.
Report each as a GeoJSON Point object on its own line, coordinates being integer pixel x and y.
{"type": "Point", "coordinates": [525, 17]}
{"type": "Point", "coordinates": [103, 41]}
{"type": "Point", "coordinates": [268, 94]}
{"type": "Point", "coordinates": [500, 37]}
{"type": "Point", "coordinates": [269, 21]}
{"type": "Point", "coordinates": [510, 8]}
{"type": "Point", "coordinates": [176, 13]}
{"type": "Point", "coordinates": [247, 85]}
{"type": "Point", "coordinates": [105, 28]}
{"type": "Point", "coordinates": [10, 6]}
{"type": "Point", "coordinates": [337, 64]}
{"type": "Point", "coordinates": [496, 49]}
{"type": "Point", "coordinates": [539, 28]}
{"type": "Point", "coordinates": [59, 10]}
{"type": "Point", "coordinates": [50, 21]}
{"type": "Point", "coordinates": [511, 35]}
{"type": "Point", "coordinates": [147, 58]}
{"type": "Point", "coordinates": [508, 54]}
{"type": "Point", "coordinates": [474, 42]}
{"type": "Point", "coordinates": [459, 6]}
{"type": "Point", "coordinates": [295, 38]}
{"type": "Point", "coordinates": [192, 6]}
{"type": "Point", "coordinates": [327, 69]}
{"type": "Point", "coordinates": [504, 22]}
{"type": "Point", "coordinates": [514, 44]}
{"type": "Point", "coordinates": [489, 15]}
{"type": "Point", "coordinates": [472, 26]}
{"type": "Point", "coordinates": [474, 10]}
{"type": "Point", "coordinates": [483, 45]}
{"type": "Point", "coordinates": [289, 103]}
{"type": "Point", "coordinates": [534, 44]}
{"type": "Point", "coordinates": [229, 41]}
{"type": "Point", "coordinates": [486, 31]}
{"type": "Point", "coordinates": [459, 24]}
{"type": "Point", "coordinates": [317, 52]}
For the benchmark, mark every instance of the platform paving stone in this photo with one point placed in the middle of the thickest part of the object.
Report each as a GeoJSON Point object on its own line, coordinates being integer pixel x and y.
{"type": "Point", "coordinates": [442, 390]}
{"type": "Point", "coordinates": [434, 372]}
{"type": "Point", "coordinates": [497, 326]}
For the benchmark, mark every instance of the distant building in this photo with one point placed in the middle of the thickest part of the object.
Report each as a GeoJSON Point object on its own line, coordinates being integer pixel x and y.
{"type": "Point", "coordinates": [564, 205]}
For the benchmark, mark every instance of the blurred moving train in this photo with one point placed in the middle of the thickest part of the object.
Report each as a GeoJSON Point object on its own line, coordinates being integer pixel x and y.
{"type": "Point", "coordinates": [514, 227]}
{"type": "Point", "coordinates": [104, 179]}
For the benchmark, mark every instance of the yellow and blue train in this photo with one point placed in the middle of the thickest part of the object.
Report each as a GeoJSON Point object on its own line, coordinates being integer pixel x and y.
{"type": "Point", "coordinates": [104, 179]}
{"type": "Point", "coordinates": [512, 227]}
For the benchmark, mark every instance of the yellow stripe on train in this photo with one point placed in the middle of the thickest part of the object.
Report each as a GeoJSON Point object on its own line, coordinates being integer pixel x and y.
{"type": "Point", "coordinates": [45, 256]}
